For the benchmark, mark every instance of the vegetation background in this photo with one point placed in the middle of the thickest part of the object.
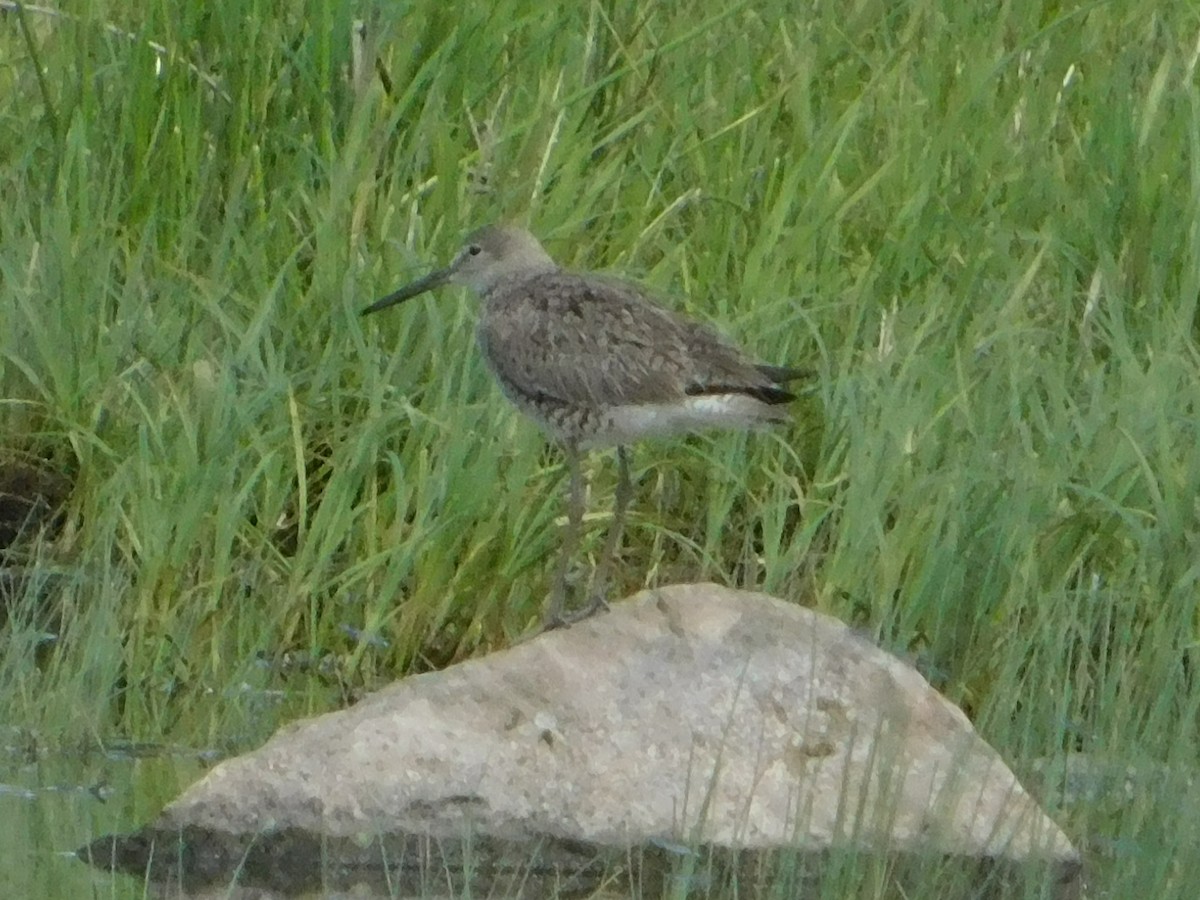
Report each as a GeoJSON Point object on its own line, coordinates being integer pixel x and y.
{"type": "Point", "coordinates": [980, 224]}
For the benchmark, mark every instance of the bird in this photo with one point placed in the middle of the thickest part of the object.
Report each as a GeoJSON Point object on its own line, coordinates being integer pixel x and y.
{"type": "Point", "coordinates": [599, 364]}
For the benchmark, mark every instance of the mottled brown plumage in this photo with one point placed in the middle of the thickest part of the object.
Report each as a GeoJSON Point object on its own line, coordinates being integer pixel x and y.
{"type": "Point", "coordinates": [599, 364]}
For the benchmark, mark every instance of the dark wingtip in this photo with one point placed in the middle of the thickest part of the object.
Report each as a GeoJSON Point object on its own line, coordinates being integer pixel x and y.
{"type": "Point", "coordinates": [773, 396]}
{"type": "Point", "coordinates": [784, 374]}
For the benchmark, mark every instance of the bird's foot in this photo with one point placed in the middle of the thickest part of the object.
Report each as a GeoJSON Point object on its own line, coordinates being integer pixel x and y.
{"type": "Point", "coordinates": [595, 606]}
{"type": "Point", "coordinates": [557, 618]}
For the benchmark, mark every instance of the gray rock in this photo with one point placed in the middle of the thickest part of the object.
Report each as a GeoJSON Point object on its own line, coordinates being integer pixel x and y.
{"type": "Point", "coordinates": [688, 716]}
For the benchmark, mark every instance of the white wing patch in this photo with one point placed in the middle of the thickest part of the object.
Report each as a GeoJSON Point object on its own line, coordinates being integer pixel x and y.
{"type": "Point", "coordinates": [624, 424]}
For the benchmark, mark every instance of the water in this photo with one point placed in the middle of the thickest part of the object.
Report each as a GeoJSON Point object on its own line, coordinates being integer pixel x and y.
{"type": "Point", "coordinates": [51, 803]}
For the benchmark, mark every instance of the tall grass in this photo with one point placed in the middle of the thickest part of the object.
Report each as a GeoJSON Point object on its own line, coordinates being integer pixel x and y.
{"type": "Point", "coordinates": [979, 224]}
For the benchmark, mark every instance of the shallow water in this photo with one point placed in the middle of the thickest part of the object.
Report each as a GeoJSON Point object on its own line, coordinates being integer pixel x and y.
{"type": "Point", "coordinates": [51, 803]}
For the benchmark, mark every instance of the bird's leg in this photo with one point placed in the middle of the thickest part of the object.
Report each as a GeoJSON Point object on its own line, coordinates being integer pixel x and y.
{"type": "Point", "coordinates": [554, 617]}
{"type": "Point", "coordinates": [612, 543]}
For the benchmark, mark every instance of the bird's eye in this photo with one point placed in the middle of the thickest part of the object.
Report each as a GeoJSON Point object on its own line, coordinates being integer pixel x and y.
{"type": "Point", "coordinates": [474, 249]}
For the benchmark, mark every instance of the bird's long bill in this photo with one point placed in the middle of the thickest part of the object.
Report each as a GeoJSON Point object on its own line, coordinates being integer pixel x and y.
{"type": "Point", "coordinates": [420, 286]}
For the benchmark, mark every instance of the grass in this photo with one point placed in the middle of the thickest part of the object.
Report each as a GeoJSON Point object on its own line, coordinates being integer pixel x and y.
{"type": "Point", "coordinates": [981, 225]}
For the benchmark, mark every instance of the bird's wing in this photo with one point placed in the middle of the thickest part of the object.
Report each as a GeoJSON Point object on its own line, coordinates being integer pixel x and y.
{"type": "Point", "coordinates": [596, 341]}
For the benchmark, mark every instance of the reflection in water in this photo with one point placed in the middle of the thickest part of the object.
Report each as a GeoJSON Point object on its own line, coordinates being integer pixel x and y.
{"type": "Point", "coordinates": [52, 802]}
{"type": "Point", "coordinates": [293, 862]}
{"type": "Point", "coordinates": [196, 862]}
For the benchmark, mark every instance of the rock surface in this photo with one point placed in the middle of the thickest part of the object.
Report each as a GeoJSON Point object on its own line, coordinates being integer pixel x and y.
{"type": "Point", "coordinates": [691, 715]}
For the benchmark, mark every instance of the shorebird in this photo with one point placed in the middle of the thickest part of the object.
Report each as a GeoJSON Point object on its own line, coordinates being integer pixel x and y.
{"type": "Point", "coordinates": [597, 363]}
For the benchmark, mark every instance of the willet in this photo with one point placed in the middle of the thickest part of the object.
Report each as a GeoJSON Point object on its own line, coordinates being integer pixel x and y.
{"type": "Point", "coordinates": [598, 364]}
